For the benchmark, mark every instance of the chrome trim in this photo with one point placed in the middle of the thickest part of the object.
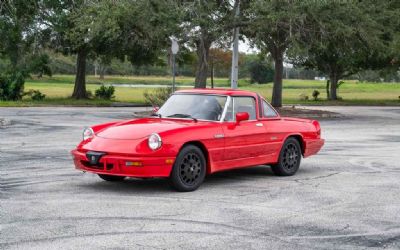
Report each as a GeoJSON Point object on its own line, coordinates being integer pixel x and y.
{"type": "Point", "coordinates": [228, 101]}
{"type": "Point", "coordinates": [259, 124]}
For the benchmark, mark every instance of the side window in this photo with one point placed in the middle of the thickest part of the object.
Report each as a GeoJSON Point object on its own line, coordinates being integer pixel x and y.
{"type": "Point", "coordinates": [245, 104]}
{"type": "Point", "coordinates": [268, 111]}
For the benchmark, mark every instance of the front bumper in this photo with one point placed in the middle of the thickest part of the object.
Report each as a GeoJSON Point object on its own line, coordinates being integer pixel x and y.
{"type": "Point", "coordinates": [121, 165]}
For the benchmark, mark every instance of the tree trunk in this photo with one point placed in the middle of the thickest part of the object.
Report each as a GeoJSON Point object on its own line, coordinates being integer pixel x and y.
{"type": "Point", "coordinates": [278, 75]}
{"type": "Point", "coordinates": [333, 88]}
{"type": "Point", "coordinates": [80, 78]}
{"type": "Point", "coordinates": [102, 71]}
{"type": "Point", "coordinates": [203, 51]}
{"type": "Point", "coordinates": [327, 89]}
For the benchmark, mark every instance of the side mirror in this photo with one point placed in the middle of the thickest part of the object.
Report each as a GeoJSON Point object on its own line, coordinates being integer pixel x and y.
{"type": "Point", "coordinates": [241, 116]}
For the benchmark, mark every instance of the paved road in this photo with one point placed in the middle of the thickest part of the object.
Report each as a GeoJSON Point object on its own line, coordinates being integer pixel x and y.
{"type": "Point", "coordinates": [347, 197]}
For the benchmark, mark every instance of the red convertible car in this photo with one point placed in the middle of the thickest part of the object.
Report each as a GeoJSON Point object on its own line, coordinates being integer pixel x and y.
{"type": "Point", "coordinates": [195, 133]}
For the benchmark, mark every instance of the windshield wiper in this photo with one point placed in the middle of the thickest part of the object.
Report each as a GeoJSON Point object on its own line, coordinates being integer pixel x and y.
{"type": "Point", "coordinates": [183, 116]}
{"type": "Point", "coordinates": [155, 114]}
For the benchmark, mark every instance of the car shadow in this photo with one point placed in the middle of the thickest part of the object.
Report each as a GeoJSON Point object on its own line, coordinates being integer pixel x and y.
{"type": "Point", "coordinates": [161, 185]}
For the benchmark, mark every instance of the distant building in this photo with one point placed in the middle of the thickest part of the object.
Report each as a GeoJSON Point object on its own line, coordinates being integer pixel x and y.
{"type": "Point", "coordinates": [318, 78]}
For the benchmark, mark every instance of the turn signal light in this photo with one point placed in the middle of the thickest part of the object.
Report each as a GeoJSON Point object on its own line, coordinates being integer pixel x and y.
{"type": "Point", "coordinates": [169, 161]}
{"type": "Point", "coordinates": [133, 163]}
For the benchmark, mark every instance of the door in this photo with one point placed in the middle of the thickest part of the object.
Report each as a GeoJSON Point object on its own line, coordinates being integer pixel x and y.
{"type": "Point", "coordinates": [245, 140]}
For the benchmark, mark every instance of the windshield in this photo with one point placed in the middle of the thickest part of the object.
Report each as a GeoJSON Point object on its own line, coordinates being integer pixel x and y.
{"type": "Point", "coordinates": [203, 107]}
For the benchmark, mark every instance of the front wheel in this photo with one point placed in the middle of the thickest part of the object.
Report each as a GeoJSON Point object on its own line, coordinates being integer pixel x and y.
{"type": "Point", "coordinates": [289, 158]}
{"type": "Point", "coordinates": [107, 177]}
{"type": "Point", "coordinates": [189, 169]}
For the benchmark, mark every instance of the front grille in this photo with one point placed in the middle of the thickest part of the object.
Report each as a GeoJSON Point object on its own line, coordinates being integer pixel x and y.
{"type": "Point", "coordinates": [95, 166]}
{"type": "Point", "coordinates": [99, 165]}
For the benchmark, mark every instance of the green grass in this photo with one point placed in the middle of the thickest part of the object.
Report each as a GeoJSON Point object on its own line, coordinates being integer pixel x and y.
{"type": "Point", "coordinates": [153, 80]}
{"type": "Point", "coordinates": [59, 88]}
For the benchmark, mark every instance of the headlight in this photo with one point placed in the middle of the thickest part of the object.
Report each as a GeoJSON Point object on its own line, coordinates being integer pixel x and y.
{"type": "Point", "coordinates": [87, 133]}
{"type": "Point", "coordinates": [154, 141]}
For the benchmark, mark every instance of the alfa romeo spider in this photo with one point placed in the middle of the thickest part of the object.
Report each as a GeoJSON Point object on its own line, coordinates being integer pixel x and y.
{"type": "Point", "coordinates": [195, 133]}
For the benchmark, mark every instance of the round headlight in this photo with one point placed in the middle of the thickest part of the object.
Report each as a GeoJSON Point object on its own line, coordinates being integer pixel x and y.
{"type": "Point", "coordinates": [87, 133]}
{"type": "Point", "coordinates": [154, 141]}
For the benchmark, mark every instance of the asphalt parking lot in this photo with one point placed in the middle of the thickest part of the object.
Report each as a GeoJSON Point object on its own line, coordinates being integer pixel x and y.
{"type": "Point", "coordinates": [346, 197]}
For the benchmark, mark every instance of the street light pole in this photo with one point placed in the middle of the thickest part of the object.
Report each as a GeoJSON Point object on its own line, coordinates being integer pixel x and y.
{"type": "Point", "coordinates": [173, 72]}
{"type": "Point", "coordinates": [174, 50]}
{"type": "Point", "coordinates": [235, 52]}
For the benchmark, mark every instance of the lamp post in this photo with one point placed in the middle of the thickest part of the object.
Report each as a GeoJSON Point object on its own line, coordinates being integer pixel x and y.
{"type": "Point", "coordinates": [235, 52]}
{"type": "Point", "coordinates": [174, 50]}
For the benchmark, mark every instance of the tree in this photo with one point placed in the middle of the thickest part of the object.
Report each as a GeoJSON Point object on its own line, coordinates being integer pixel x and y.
{"type": "Point", "coordinates": [19, 35]}
{"type": "Point", "coordinates": [204, 23]}
{"type": "Point", "coordinates": [347, 37]}
{"type": "Point", "coordinates": [58, 22]}
{"type": "Point", "coordinates": [135, 30]}
{"type": "Point", "coordinates": [18, 31]}
{"type": "Point", "coordinates": [273, 26]}
{"type": "Point", "coordinates": [221, 61]}
{"type": "Point", "coordinates": [261, 71]}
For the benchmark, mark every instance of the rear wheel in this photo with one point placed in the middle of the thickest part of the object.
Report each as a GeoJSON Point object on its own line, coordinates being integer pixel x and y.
{"type": "Point", "coordinates": [189, 169]}
{"type": "Point", "coordinates": [289, 158]}
{"type": "Point", "coordinates": [107, 177]}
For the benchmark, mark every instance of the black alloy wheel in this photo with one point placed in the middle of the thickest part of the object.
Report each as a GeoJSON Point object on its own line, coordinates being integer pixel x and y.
{"type": "Point", "coordinates": [289, 158]}
{"type": "Point", "coordinates": [189, 169]}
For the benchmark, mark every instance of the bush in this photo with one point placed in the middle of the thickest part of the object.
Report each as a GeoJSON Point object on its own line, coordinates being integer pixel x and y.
{"type": "Point", "coordinates": [12, 86]}
{"type": "Point", "coordinates": [35, 95]}
{"type": "Point", "coordinates": [39, 64]}
{"type": "Point", "coordinates": [315, 94]}
{"type": "Point", "coordinates": [158, 97]}
{"type": "Point", "coordinates": [303, 97]}
{"type": "Point", "coordinates": [89, 94]}
{"type": "Point", "coordinates": [104, 92]}
{"type": "Point", "coordinates": [261, 72]}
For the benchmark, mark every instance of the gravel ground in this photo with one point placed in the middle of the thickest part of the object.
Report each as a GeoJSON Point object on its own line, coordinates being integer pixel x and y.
{"type": "Point", "coordinates": [346, 197]}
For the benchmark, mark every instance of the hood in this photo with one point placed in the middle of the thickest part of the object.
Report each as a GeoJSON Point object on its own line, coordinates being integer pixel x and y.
{"type": "Point", "coordinates": [139, 128]}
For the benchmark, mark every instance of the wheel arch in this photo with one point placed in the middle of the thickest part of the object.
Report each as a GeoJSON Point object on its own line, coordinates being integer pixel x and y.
{"type": "Point", "coordinates": [203, 148]}
{"type": "Point", "coordinates": [300, 139]}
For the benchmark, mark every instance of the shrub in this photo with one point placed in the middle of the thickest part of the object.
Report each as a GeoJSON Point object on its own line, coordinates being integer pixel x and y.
{"type": "Point", "coordinates": [158, 97]}
{"type": "Point", "coordinates": [303, 97]}
{"type": "Point", "coordinates": [315, 94]}
{"type": "Point", "coordinates": [35, 95]}
{"type": "Point", "coordinates": [12, 86]}
{"type": "Point", "coordinates": [40, 65]}
{"type": "Point", "coordinates": [89, 94]}
{"type": "Point", "coordinates": [261, 72]}
{"type": "Point", "coordinates": [104, 92]}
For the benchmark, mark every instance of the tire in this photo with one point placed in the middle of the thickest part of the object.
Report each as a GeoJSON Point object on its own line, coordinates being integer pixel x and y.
{"type": "Point", "coordinates": [113, 178]}
{"type": "Point", "coordinates": [189, 169]}
{"type": "Point", "coordinates": [289, 158]}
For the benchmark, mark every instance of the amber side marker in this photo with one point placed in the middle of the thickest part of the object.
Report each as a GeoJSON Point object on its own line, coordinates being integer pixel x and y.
{"type": "Point", "coordinates": [133, 163]}
{"type": "Point", "coordinates": [169, 161]}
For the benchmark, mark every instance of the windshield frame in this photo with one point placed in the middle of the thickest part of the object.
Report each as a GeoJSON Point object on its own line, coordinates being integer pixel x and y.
{"type": "Point", "coordinates": [224, 110]}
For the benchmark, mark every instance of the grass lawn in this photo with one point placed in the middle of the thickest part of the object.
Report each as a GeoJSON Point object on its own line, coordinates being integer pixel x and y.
{"type": "Point", "coordinates": [58, 88]}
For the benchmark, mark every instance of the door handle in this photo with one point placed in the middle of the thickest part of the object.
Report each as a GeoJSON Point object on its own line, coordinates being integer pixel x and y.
{"type": "Point", "coordinates": [259, 124]}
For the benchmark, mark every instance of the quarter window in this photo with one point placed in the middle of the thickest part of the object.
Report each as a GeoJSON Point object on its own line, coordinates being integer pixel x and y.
{"type": "Point", "coordinates": [268, 111]}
